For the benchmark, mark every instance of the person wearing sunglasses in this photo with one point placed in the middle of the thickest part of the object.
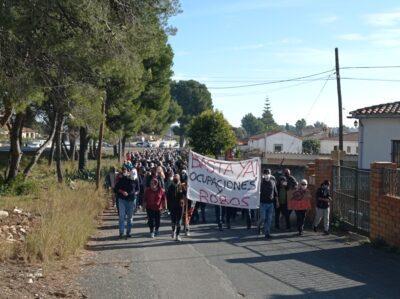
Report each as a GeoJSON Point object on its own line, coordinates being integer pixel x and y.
{"type": "Point", "coordinates": [300, 202]}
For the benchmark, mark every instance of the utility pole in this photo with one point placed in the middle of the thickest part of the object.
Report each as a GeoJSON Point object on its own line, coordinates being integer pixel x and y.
{"type": "Point", "coordinates": [339, 92]}
{"type": "Point", "coordinates": [99, 147]}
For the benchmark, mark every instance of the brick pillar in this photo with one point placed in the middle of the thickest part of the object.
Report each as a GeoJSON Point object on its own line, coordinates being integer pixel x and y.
{"type": "Point", "coordinates": [317, 172]}
{"type": "Point", "coordinates": [310, 173]}
{"type": "Point", "coordinates": [323, 171]}
{"type": "Point", "coordinates": [379, 208]}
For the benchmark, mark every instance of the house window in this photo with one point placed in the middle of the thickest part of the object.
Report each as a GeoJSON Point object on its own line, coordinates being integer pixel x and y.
{"type": "Point", "coordinates": [278, 148]}
{"type": "Point", "coordinates": [349, 149]}
{"type": "Point", "coordinates": [356, 149]}
{"type": "Point", "coordinates": [396, 152]}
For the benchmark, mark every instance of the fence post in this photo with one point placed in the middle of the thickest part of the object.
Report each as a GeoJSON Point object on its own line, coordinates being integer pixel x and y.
{"type": "Point", "coordinates": [356, 199]}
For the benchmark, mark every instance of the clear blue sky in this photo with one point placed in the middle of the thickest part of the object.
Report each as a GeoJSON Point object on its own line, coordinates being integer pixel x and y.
{"type": "Point", "coordinates": [224, 43]}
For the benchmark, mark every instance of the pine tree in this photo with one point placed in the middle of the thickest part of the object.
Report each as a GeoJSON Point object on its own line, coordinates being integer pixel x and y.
{"type": "Point", "coordinates": [267, 117]}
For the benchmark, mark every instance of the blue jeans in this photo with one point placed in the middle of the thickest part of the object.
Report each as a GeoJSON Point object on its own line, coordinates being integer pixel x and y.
{"type": "Point", "coordinates": [125, 211]}
{"type": "Point", "coordinates": [266, 213]}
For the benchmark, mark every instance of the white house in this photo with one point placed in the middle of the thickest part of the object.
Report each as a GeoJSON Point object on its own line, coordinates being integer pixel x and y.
{"type": "Point", "coordinates": [276, 142]}
{"type": "Point", "coordinates": [379, 133]}
{"type": "Point", "coordinates": [350, 144]}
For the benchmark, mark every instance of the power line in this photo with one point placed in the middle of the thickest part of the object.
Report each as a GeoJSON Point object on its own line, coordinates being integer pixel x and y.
{"type": "Point", "coordinates": [370, 79]}
{"type": "Point", "coordinates": [314, 102]}
{"type": "Point", "coordinates": [272, 82]}
{"type": "Point", "coordinates": [371, 67]}
{"type": "Point", "coordinates": [303, 82]}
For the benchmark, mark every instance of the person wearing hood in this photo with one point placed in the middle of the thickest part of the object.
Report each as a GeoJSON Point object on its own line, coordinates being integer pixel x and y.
{"type": "Point", "coordinates": [300, 203]}
{"type": "Point", "coordinates": [155, 201]}
{"type": "Point", "coordinates": [268, 197]}
{"type": "Point", "coordinates": [126, 190]}
{"type": "Point", "coordinates": [175, 206]}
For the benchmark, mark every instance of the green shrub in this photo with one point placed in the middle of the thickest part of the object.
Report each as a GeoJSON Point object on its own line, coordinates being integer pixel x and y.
{"type": "Point", "coordinates": [18, 186]}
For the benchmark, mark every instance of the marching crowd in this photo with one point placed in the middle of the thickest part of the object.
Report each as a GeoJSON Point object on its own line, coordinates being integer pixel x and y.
{"type": "Point", "coordinates": [155, 181]}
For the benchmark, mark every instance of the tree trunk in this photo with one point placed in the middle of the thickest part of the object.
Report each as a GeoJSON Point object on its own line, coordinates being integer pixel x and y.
{"type": "Point", "coordinates": [94, 150]}
{"type": "Point", "coordinates": [15, 146]}
{"type": "Point", "coordinates": [58, 147]}
{"type": "Point", "coordinates": [99, 147]}
{"type": "Point", "coordinates": [83, 148]}
{"type": "Point", "coordinates": [51, 154]}
{"type": "Point", "coordinates": [181, 140]}
{"type": "Point", "coordinates": [41, 149]}
{"type": "Point", "coordinates": [92, 154]}
{"type": "Point", "coordinates": [65, 151]}
{"type": "Point", "coordinates": [119, 150]}
{"type": "Point", "coordinates": [8, 112]}
{"type": "Point", "coordinates": [115, 147]}
{"type": "Point", "coordinates": [123, 146]}
{"type": "Point", "coordinates": [72, 147]}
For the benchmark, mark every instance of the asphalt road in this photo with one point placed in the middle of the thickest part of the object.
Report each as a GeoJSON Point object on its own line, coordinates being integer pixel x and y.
{"type": "Point", "coordinates": [234, 263]}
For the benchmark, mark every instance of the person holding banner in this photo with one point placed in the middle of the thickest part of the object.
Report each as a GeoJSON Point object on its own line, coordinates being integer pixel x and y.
{"type": "Point", "coordinates": [268, 197]}
{"type": "Point", "coordinates": [175, 206]}
{"type": "Point", "coordinates": [300, 202]}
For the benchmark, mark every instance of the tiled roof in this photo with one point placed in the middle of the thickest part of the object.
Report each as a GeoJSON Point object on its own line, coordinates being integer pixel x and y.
{"type": "Point", "coordinates": [261, 136]}
{"type": "Point", "coordinates": [388, 109]}
{"type": "Point", "coordinates": [346, 137]}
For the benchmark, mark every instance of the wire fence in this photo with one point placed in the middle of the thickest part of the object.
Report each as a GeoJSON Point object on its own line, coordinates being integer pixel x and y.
{"type": "Point", "coordinates": [391, 182]}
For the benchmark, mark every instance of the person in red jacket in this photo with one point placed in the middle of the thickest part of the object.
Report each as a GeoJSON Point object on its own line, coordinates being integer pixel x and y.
{"type": "Point", "coordinates": [155, 200]}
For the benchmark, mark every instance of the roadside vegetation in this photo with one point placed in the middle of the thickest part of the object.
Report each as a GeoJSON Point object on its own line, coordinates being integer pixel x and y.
{"type": "Point", "coordinates": [60, 217]}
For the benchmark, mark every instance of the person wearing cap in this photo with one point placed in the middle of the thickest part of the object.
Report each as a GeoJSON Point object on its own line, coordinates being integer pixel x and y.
{"type": "Point", "coordinates": [322, 208]}
{"type": "Point", "coordinates": [268, 197]}
{"type": "Point", "coordinates": [126, 190]}
{"type": "Point", "coordinates": [300, 203]}
{"type": "Point", "coordinates": [155, 201]}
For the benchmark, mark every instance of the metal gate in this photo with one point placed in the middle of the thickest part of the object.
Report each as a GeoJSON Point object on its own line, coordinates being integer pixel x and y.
{"type": "Point", "coordinates": [351, 192]}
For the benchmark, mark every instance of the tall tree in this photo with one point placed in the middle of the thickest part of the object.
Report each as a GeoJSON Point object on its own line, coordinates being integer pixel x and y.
{"type": "Point", "coordinates": [311, 146]}
{"type": "Point", "coordinates": [320, 125]}
{"type": "Point", "coordinates": [252, 124]}
{"type": "Point", "coordinates": [211, 134]}
{"type": "Point", "coordinates": [300, 125]}
{"type": "Point", "coordinates": [240, 132]}
{"type": "Point", "coordinates": [267, 117]}
{"type": "Point", "coordinates": [194, 98]}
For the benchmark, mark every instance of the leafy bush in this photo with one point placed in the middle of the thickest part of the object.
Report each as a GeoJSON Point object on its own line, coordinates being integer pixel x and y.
{"type": "Point", "coordinates": [18, 186]}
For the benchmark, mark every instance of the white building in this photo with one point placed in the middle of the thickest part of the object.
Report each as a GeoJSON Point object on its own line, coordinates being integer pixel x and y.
{"type": "Point", "coordinates": [350, 144]}
{"type": "Point", "coordinates": [276, 142]}
{"type": "Point", "coordinates": [379, 134]}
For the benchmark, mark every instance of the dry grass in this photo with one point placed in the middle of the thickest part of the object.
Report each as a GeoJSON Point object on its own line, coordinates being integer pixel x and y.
{"type": "Point", "coordinates": [67, 217]}
{"type": "Point", "coordinates": [7, 250]}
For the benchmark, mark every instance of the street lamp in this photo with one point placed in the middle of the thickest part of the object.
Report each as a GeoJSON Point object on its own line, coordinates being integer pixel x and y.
{"type": "Point", "coordinates": [355, 123]}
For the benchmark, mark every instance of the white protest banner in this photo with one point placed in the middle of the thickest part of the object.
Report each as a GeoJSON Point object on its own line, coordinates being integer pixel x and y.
{"type": "Point", "coordinates": [224, 183]}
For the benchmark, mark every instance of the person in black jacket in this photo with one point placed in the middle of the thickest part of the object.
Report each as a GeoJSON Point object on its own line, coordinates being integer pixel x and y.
{"type": "Point", "coordinates": [126, 190]}
{"type": "Point", "coordinates": [175, 206]}
{"type": "Point", "coordinates": [268, 197]}
{"type": "Point", "coordinates": [322, 209]}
